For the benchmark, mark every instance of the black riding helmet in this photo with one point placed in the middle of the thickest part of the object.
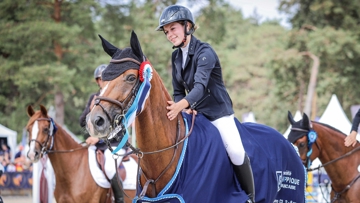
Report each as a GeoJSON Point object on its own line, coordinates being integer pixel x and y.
{"type": "Point", "coordinates": [98, 71]}
{"type": "Point", "coordinates": [176, 13]}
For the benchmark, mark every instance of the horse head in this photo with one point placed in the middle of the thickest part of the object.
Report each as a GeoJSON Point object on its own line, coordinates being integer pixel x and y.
{"type": "Point", "coordinates": [301, 135]}
{"type": "Point", "coordinates": [41, 129]}
{"type": "Point", "coordinates": [127, 87]}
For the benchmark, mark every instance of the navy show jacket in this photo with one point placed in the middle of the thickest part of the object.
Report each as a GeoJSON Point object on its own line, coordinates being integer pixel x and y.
{"type": "Point", "coordinates": [202, 67]}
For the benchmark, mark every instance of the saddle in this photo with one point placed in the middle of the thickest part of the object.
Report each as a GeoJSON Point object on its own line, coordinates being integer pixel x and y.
{"type": "Point", "coordinates": [100, 158]}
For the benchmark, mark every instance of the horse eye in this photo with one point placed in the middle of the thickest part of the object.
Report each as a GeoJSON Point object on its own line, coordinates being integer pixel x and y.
{"type": "Point", "coordinates": [302, 145]}
{"type": "Point", "coordinates": [46, 130]}
{"type": "Point", "coordinates": [131, 78]}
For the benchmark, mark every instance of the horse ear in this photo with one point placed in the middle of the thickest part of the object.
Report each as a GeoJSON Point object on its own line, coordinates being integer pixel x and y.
{"type": "Point", "coordinates": [290, 118]}
{"type": "Point", "coordinates": [306, 121]}
{"type": "Point", "coordinates": [30, 111]}
{"type": "Point", "coordinates": [135, 46]}
{"type": "Point", "coordinates": [43, 110]}
{"type": "Point", "coordinates": [108, 47]}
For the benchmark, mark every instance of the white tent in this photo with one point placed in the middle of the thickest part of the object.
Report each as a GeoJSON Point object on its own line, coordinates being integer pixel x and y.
{"type": "Point", "coordinates": [297, 117]}
{"type": "Point", "coordinates": [10, 136]}
{"type": "Point", "coordinates": [248, 117]}
{"type": "Point", "coordinates": [335, 116]}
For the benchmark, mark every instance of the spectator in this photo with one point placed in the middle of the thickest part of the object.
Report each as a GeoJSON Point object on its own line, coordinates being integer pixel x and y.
{"type": "Point", "coordinates": [4, 155]}
{"type": "Point", "coordinates": [10, 167]}
{"type": "Point", "coordinates": [1, 169]}
{"type": "Point", "coordinates": [21, 161]}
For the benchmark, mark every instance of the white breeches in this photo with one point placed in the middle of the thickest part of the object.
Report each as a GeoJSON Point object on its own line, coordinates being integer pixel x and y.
{"type": "Point", "coordinates": [110, 162]}
{"type": "Point", "coordinates": [231, 138]}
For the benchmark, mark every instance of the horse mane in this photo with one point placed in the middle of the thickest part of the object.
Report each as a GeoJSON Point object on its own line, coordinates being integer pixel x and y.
{"type": "Point", "coordinates": [163, 87]}
{"type": "Point", "coordinates": [328, 126]}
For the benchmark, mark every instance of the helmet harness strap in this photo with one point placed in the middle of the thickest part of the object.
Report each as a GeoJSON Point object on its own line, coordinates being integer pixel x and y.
{"type": "Point", "coordinates": [186, 34]}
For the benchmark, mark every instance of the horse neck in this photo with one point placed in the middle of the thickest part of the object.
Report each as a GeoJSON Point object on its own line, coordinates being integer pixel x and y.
{"type": "Point", "coordinates": [331, 144]}
{"type": "Point", "coordinates": [154, 131]}
{"type": "Point", "coordinates": [63, 162]}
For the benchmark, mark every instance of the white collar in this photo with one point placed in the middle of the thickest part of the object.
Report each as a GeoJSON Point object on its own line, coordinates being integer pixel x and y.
{"type": "Point", "coordinates": [185, 49]}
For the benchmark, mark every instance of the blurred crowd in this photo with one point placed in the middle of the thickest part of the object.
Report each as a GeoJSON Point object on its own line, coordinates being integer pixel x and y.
{"type": "Point", "coordinates": [21, 162]}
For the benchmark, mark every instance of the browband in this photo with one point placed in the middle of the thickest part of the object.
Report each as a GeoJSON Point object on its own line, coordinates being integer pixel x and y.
{"type": "Point", "coordinates": [299, 129]}
{"type": "Point", "coordinates": [124, 60]}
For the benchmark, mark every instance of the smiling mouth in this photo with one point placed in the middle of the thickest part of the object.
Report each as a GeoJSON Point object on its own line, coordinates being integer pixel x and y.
{"type": "Point", "coordinates": [173, 40]}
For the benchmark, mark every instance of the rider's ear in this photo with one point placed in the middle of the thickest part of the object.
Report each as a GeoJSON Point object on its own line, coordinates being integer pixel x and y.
{"type": "Point", "coordinates": [108, 47]}
{"type": "Point", "coordinates": [135, 46]}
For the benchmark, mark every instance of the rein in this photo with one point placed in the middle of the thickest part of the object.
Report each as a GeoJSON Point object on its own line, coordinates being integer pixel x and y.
{"type": "Point", "coordinates": [338, 194]}
{"type": "Point", "coordinates": [140, 155]}
{"type": "Point", "coordinates": [70, 150]}
{"type": "Point", "coordinates": [334, 160]}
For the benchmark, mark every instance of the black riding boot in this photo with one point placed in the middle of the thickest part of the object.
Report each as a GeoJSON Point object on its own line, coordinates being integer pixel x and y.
{"type": "Point", "coordinates": [116, 186]}
{"type": "Point", "coordinates": [245, 177]}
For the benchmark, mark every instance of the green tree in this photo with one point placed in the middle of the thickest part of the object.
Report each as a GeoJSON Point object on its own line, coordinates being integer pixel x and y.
{"type": "Point", "coordinates": [44, 46]}
{"type": "Point", "coordinates": [327, 29]}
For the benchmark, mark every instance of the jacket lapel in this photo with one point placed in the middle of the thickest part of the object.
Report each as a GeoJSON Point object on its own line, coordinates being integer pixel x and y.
{"type": "Point", "coordinates": [191, 50]}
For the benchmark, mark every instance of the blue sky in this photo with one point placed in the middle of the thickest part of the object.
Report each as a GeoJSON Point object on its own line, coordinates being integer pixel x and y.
{"type": "Point", "coordinates": [268, 9]}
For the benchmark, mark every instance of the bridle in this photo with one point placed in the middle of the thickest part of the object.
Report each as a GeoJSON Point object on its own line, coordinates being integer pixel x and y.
{"type": "Point", "coordinates": [337, 194]}
{"type": "Point", "coordinates": [50, 136]}
{"type": "Point", "coordinates": [117, 119]}
{"type": "Point", "coordinates": [43, 145]}
{"type": "Point", "coordinates": [309, 152]}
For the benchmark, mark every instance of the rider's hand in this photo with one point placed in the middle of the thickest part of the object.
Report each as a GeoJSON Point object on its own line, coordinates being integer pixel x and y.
{"type": "Point", "coordinates": [351, 139]}
{"type": "Point", "coordinates": [92, 140]}
{"type": "Point", "coordinates": [175, 108]}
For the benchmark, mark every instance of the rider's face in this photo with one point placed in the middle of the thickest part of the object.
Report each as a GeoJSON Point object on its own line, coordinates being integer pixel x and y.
{"type": "Point", "coordinates": [174, 33]}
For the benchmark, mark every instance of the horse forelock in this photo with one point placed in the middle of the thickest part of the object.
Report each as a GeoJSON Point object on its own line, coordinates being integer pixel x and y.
{"type": "Point", "coordinates": [33, 118]}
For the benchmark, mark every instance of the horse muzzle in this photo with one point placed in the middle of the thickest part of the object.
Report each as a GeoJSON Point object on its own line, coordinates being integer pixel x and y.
{"type": "Point", "coordinates": [98, 125]}
{"type": "Point", "coordinates": [34, 156]}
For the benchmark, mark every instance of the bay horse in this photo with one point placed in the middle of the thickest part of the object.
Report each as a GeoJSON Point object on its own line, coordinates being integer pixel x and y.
{"type": "Point", "coordinates": [74, 182]}
{"type": "Point", "coordinates": [319, 140]}
{"type": "Point", "coordinates": [184, 160]}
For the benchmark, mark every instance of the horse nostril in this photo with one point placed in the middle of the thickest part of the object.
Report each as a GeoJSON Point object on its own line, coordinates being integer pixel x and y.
{"type": "Point", "coordinates": [99, 121]}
